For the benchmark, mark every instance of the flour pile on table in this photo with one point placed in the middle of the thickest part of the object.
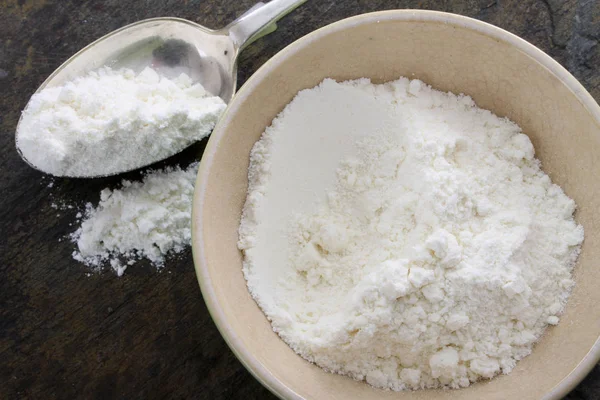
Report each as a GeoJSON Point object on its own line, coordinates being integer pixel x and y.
{"type": "Point", "coordinates": [113, 121]}
{"type": "Point", "coordinates": [147, 219]}
{"type": "Point", "coordinates": [403, 236]}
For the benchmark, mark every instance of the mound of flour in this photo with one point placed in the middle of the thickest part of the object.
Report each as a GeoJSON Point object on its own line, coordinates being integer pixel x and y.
{"type": "Point", "coordinates": [147, 219]}
{"type": "Point", "coordinates": [403, 236]}
{"type": "Point", "coordinates": [111, 121]}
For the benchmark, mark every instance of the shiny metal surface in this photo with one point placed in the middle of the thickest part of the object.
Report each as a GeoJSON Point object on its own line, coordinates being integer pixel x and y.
{"type": "Point", "coordinates": [173, 46]}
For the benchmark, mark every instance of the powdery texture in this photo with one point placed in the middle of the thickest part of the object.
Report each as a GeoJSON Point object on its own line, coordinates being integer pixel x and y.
{"type": "Point", "coordinates": [432, 252]}
{"type": "Point", "coordinates": [142, 219]}
{"type": "Point", "coordinates": [112, 121]}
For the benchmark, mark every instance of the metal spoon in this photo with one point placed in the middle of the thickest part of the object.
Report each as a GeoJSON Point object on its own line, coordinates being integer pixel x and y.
{"type": "Point", "coordinates": [174, 46]}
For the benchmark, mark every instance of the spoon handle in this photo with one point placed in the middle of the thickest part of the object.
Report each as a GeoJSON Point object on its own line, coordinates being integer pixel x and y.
{"type": "Point", "coordinates": [247, 28]}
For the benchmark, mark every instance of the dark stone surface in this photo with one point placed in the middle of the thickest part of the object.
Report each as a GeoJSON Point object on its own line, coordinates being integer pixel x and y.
{"type": "Point", "coordinates": [148, 334]}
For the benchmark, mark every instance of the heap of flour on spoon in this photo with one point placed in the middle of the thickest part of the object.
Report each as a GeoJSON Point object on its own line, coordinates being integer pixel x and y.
{"type": "Point", "coordinates": [110, 121]}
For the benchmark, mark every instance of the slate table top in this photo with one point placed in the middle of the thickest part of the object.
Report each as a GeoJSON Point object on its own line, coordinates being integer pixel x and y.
{"type": "Point", "coordinates": [66, 333]}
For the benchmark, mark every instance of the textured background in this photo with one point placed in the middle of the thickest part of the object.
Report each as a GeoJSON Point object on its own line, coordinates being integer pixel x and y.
{"type": "Point", "coordinates": [64, 334]}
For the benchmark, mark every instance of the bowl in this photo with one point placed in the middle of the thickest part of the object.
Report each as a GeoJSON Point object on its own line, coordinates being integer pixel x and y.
{"type": "Point", "coordinates": [502, 73]}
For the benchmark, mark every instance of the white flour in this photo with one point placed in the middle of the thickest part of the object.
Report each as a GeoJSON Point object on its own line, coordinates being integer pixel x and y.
{"type": "Point", "coordinates": [142, 219]}
{"type": "Point", "coordinates": [113, 121]}
{"type": "Point", "coordinates": [403, 236]}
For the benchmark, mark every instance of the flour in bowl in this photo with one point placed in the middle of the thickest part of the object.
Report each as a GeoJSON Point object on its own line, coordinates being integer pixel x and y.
{"type": "Point", "coordinates": [402, 236]}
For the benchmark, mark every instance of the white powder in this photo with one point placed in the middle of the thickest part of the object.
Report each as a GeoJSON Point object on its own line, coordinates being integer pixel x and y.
{"type": "Point", "coordinates": [142, 219]}
{"type": "Point", "coordinates": [114, 121]}
{"type": "Point", "coordinates": [403, 236]}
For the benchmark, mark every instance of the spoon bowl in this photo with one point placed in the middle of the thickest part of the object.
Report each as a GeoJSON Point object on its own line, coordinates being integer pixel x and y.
{"type": "Point", "coordinates": [172, 46]}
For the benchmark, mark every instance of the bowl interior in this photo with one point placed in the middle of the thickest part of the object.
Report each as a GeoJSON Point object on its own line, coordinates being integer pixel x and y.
{"type": "Point", "coordinates": [503, 74]}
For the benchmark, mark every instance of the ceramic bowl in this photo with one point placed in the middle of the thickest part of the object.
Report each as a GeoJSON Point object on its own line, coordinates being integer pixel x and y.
{"type": "Point", "coordinates": [502, 73]}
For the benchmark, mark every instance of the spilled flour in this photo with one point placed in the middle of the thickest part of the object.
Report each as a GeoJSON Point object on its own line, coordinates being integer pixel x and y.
{"type": "Point", "coordinates": [403, 236]}
{"type": "Point", "coordinates": [147, 219]}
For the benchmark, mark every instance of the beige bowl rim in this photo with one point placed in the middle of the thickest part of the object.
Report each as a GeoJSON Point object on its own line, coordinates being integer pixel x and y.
{"type": "Point", "coordinates": [245, 355]}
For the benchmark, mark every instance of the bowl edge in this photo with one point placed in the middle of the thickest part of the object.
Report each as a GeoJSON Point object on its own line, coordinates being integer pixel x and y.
{"type": "Point", "coordinates": [260, 372]}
